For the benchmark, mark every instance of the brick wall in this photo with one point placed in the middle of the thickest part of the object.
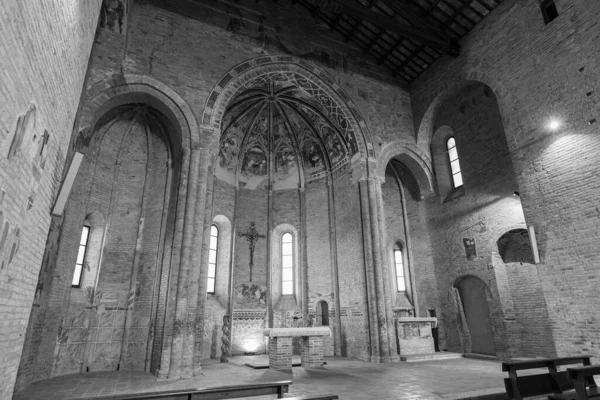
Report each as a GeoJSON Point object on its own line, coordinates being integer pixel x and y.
{"type": "Point", "coordinates": [44, 53]}
{"type": "Point", "coordinates": [538, 71]}
{"type": "Point", "coordinates": [478, 213]}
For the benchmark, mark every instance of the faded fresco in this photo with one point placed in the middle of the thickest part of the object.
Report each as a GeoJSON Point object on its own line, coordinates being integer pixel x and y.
{"type": "Point", "coordinates": [274, 128]}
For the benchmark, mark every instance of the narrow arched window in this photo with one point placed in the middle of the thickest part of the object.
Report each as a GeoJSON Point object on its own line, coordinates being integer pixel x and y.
{"type": "Point", "coordinates": [287, 263]}
{"type": "Point", "coordinates": [83, 243]}
{"type": "Point", "coordinates": [457, 180]}
{"type": "Point", "coordinates": [398, 261]}
{"type": "Point", "coordinates": [212, 259]}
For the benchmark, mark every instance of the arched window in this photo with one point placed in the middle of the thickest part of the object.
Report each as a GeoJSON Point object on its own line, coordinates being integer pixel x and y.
{"type": "Point", "coordinates": [212, 259]}
{"type": "Point", "coordinates": [401, 283]}
{"type": "Point", "coordinates": [83, 243]}
{"type": "Point", "coordinates": [454, 163]}
{"type": "Point", "coordinates": [287, 263]}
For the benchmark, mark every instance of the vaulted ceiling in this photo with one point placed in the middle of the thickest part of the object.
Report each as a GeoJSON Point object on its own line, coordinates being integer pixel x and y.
{"type": "Point", "coordinates": [406, 36]}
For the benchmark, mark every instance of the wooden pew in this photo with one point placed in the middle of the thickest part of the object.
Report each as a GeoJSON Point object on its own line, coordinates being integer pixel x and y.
{"type": "Point", "coordinates": [583, 380]}
{"type": "Point", "coordinates": [278, 388]}
{"type": "Point", "coordinates": [551, 382]}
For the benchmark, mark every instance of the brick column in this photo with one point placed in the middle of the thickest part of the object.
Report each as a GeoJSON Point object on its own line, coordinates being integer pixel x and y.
{"type": "Point", "coordinates": [280, 353]}
{"type": "Point", "coordinates": [312, 351]}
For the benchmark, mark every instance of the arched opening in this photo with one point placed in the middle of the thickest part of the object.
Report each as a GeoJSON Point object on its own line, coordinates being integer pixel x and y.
{"type": "Point", "coordinates": [515, 246]}
{"type": "Point", "coordinates": [123, 199]}
{"type": "Point", "coordinates": [322, 313]}
{"type": "Point", "coordinates": [473, 294]}
{"type": "Point", "coordinates": [287, 144]}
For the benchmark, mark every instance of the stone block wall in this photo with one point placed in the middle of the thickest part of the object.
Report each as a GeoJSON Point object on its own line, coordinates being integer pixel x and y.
{"type": "Point", "coordinates": [44, 52]}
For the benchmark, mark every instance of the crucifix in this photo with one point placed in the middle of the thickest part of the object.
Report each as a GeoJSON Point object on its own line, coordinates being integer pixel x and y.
{"type": "Point", "coordinates": [252, 237]}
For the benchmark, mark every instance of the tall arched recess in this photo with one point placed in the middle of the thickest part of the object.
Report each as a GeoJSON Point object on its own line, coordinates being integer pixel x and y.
{"type": "Point", "coordinates": [288, 144]}
{"type": "Point", "coordinates": [137, 138]}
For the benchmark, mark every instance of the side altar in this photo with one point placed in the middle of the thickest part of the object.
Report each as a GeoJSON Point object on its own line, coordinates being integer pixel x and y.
{"type": "Point", "coordinates": [280, 346]}
{"type": "Point", "coordinates": [415, 335]}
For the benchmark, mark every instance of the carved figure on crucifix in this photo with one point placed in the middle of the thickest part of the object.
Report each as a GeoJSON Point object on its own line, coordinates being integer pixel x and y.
{"type": "Point", "coordinates": [252, 237]}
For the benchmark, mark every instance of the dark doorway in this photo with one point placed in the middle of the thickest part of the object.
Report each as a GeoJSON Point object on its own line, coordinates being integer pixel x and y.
{"type": "Point", "coordinates": [474, 301]}
{"type": "Point", "coordinates": [322, 313]}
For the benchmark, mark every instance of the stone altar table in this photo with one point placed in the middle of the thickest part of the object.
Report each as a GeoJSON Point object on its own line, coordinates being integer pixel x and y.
{"type": "Point", "coordinates": [415, 336]}
{"type": "Point", "coordinates": [280, 346]}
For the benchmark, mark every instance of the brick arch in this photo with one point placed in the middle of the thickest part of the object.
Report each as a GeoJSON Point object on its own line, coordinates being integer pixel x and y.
{"type": "Point", "coordinates": [124, 89]}
{"type": "Point", "coordinates": [426, 125]}
{"type": "Point", "coordinates": [415, 160]}
{"type": "Point", "coordinates": [234, 80]}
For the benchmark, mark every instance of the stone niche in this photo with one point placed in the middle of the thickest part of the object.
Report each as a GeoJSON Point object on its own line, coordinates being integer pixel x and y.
{"type": "Point", "coordinates": [415, 335]}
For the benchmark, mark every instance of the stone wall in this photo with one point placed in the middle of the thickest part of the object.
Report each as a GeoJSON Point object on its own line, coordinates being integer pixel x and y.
{"type": "Point", "coordinates": [540, 71]}
{"type": "Point", "coordinates": [44, 51]}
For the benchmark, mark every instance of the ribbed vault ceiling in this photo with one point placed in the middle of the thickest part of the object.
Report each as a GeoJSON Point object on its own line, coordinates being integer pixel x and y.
{"type": "Point", "coordinates": [276, 129]}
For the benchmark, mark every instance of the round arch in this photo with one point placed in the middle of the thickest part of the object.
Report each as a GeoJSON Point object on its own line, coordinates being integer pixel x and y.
{"type": "Point", "coordinates": [304, 75]}
{"type": "Point", "coordinates": [415, 160]}
{"type": "Point", "coordinates": [426, 124]}
{"type": "Point", "coordinates": [126, 89]}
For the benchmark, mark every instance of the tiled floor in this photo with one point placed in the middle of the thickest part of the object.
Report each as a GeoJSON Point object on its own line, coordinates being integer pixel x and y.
{"type": "Point", "coordinates": [348, 378]}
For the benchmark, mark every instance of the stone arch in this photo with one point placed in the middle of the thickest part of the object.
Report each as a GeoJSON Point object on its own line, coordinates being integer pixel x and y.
{"type": "Point", "coordinates": [184, 153]}
{"type": "Point", "coordinates": [306, 76]}
{"type": "Point", "coordinates": [415, 160]}
{"type": "Point", "coordinates": [426, 124]}
{"type": "Point", "coordinates": [125, 89]}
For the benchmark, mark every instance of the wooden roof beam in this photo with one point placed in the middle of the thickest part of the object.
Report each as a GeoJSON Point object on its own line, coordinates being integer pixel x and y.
{"type": "Point", "coordinates": [422, 35]}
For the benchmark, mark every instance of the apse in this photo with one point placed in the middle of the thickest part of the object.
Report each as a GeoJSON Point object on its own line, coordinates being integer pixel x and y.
{"type": "Point", "coordinates": [280, 151]}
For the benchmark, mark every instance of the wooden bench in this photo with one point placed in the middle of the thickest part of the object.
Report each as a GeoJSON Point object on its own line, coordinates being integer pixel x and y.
{"type": "Point", "coordinates": [551, 382]}
{"type": "Point", "coordinates": [583, 380]}
{"type": "Point", "coordinates": [214, 393]}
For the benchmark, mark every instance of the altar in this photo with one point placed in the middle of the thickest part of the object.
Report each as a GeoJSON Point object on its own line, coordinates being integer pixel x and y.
{"type": "Point", "coordinates": [280, 346]}
{"type": "Point", "coordinates": [415, 335]}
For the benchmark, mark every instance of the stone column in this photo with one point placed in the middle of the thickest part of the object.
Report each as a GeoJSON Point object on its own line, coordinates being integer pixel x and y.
{"type": "Point", "coordinates": [303, 256]}
{"type": "Point", "coordinates": [386, 276]}
{"type": "Point", "coordinates": [280, 353]}
{"type": "Point", "coordinates": [200, 263]}
{"type": "Point", "coordinates": [188, 166]}
{"type": "Point", "coordinates": [181, 320]}
{"type": "Point", "coordinates": [380, 278]}
{"type": "Point", "coordinates": [369, 271]}
{"type": "Point", "coordinates": [337, 339]}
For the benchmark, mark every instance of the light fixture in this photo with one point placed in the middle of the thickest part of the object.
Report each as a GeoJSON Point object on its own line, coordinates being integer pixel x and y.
{"type": "Point", "coordinates": [554, 124]}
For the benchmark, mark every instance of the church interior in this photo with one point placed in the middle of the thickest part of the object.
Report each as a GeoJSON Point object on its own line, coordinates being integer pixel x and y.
{"type": "Point", "coordinates": [416, 178]}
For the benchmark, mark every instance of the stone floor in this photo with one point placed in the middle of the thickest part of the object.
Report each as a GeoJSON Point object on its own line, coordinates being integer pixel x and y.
{"type": "Point", "coordinates": [349, 378]}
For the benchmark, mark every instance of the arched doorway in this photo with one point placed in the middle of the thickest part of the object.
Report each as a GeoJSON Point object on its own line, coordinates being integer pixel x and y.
{"type": "Point", "coordinates": [473, 296]}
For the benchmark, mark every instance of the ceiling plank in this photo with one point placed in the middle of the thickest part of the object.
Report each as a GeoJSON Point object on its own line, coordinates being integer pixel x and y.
{"type": "Point", "coordinates": [422, 34]}
{"type": "Point", "coordinates": [407, 11]}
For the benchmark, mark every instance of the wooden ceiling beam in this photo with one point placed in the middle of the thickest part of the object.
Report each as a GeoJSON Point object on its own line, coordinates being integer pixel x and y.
{"type": "Point", "coordinates": [422, 35]}
{"type": "Point", "coordinates": [409, 12]}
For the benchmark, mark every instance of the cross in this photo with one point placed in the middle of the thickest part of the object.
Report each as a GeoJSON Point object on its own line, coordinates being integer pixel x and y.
{"type": "Point", "coordinates": [252, 236]}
